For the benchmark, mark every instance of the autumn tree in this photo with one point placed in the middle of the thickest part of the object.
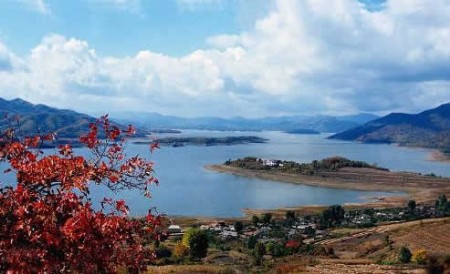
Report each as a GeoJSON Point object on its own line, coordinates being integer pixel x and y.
{"type": "Point", "coordinates": [48, 222]}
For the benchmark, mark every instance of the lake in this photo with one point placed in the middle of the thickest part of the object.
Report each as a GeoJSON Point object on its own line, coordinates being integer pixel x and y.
{"type": "Point", "coordinates": [187, 189]}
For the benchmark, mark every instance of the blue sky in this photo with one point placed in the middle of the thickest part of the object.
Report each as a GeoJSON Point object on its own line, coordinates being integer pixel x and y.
{"type": "Point", "coordinates": [225, 58]}
{"type": "Point", "coordinates": [116, 28]}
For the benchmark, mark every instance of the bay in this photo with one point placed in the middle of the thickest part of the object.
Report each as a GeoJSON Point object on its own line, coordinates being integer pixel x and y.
{"type": "Point", "coordinates": [188, 189]}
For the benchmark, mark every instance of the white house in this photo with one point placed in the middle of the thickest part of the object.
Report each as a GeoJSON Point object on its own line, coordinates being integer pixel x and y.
{"type": "Point", "coordinates": [174, 229]}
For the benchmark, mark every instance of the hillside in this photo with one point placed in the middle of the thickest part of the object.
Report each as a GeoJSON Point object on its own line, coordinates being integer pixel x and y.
{"type": "Point", "coordinates": [429, 129]}
{"type": "Point", "coordinates": [41, 119]}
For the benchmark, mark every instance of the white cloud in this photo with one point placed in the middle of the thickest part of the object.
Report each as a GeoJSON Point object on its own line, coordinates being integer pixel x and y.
{"type": "Point", "coordinates": [133, 6]}
{"type": "Point", "coordinates": [198, 4]}
{"type": "Point", "coordinates": [37, 5]}
{"type": "Point", "coordinates": [311, 56]}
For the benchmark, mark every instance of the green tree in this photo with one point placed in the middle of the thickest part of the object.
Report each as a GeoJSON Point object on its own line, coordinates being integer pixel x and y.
{"type": "Point", "coordinates": [290, 218]}
{"type": "Point", "coordinates": [411, 206]}
{"type": "Point", "coordinates": [251, 242]}
{"type": "Point", "coordinates": [266, 218]}
{"type": "Point", "coordinates": [255, 220]}
{"type": "Point", "coordinates": [333, 216]}
{"type": "Point", "coordinates": [404, 255]}
{"type": "Point", "coordinates": [269, 248]}
{"type": "Point", "coordinates": [197, 241]}
{"type": "Point", "coordinates": [442, 204]}
{"type": "Point", "coordinates": [290, 215]}
{"type": "Point", "coordinates": [238, 226]}
{"type": "Point", "coordinates": [258, 252]}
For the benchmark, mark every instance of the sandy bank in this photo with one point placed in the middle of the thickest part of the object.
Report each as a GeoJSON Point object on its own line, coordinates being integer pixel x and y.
{"type": "Point", "coordinates": [423, 189]}
{"type": "Point", "coordinates": [438, 156]}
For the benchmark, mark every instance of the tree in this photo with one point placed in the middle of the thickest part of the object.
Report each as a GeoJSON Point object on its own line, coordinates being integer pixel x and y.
{"type": "Point", "coordinates": [258, 252]}
{"type": "Point", "coordinates": [404, 255]}
{"type": "Point", "coordinates": [197, 241]}
{"type": "Point", "coordinates": [411, 206]}
{"type": "Point", "coordinates": [333, 216]}
{"type": "Point", "coordinates": [47, 220]}
{"type": "Point", "coordinates": [442, 204]}
{"type": "Point", "coordinates": [238, 226]}
{"type": "Point", "coordinates": [290, 218]}
{"type": "Point", "coordinates": [266, 218]}
{"type": "Point", "coordinates": [251, 242]}
{"type": "Point", "coordinates": [255, 220]}
{"type": "Point", "coordinates": [290, 215]}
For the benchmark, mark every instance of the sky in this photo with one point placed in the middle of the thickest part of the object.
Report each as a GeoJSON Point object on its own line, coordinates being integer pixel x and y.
{"type": "Point", "coordinates": [226, 58]}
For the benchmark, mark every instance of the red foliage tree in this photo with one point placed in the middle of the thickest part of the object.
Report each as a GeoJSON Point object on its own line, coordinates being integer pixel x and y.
{"type": "Point", "coordinates": [47, 221]}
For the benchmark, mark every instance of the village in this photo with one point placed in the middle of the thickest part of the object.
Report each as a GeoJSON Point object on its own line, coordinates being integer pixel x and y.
{"type": "Point", "coordinates": [268, 236]}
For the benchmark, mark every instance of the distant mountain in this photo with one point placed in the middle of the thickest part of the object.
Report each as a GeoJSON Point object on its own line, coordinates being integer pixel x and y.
{"type": "Point", "coordinates": [42, 119]}
{"type": "Point", "coordinates": [430, 129]}
{"type": "Point", "coordinates": [308, 124]}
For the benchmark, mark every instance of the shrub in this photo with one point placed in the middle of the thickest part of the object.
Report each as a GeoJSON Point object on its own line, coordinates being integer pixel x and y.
{"type": "Point", "coordinates": [180, 250]}
{"type": "Point", "coordinates": [163, 252]}
{"type": "Point", "coordinates": [404, 255]}
{"type": "Point", "coordinates": [420, 257]}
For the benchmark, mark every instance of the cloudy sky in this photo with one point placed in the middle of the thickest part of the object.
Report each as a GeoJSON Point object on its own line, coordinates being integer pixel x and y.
{"type": "Point", "coordinates": [227, 57]}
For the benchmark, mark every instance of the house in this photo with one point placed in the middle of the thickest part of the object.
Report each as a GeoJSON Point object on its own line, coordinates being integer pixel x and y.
{"type": "Point", "coordinates": [174, 229]}
{"type": "Point", "coordinates": [270, 163]}
{"type": "Point", "coordinates": [229, 234]}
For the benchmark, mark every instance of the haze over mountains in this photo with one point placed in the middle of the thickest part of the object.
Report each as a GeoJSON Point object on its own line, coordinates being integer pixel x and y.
{"type": "Point", "coordinates": [66, 123]}
{"type": "Point", "coordinates": [300, 124]}
{"type": "Point", "coordinates": [430, 128]}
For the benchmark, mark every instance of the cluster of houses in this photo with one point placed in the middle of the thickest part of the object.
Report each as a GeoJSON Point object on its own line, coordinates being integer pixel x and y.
{"type": "Point", "coordinates": [309, 230]}
{"type": "Point", "coordinates": [305, 230]}
{"type": "Point", "coordinates": [270, 162]}
{"type": "Point", "coordinates": [222, 229]}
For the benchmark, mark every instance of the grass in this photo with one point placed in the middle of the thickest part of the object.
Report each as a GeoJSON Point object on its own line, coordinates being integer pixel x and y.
{"type": "Point", "coordinates": [213, 269]}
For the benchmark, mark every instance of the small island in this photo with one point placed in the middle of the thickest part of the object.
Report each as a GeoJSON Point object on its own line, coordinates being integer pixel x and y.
{"type": "Point", "coordinates": [206, 141]}
{"type": "Point", "coordinates": [340, 172]}
{"type": "Point", "coordinates": [164, 131]}
{"type": "Point", "coordinates": [302, 131]}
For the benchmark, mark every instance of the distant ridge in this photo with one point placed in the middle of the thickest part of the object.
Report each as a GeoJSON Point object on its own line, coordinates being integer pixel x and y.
{"type": "Point", "coordinates": [42, 119]}
{"type": "Point", "coordinates": [305, 124]}
{"type": "Point", "coordinates": [429, 129]}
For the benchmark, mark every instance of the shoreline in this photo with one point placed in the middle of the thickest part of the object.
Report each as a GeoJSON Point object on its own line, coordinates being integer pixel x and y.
{"type": "Point", "coordinates": [423, 189]}
{"type": "Point", "coordinates": [438, 156]}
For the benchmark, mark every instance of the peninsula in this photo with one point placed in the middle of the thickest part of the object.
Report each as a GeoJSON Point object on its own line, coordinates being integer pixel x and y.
{"type": "Point", "coordinates": [339, 172]}
{"type": "Point", "coordinates": [205, 141]}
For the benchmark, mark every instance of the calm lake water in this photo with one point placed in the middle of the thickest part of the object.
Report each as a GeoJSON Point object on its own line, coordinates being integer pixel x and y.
{"type": "Point", "coordinates": [187, 188]}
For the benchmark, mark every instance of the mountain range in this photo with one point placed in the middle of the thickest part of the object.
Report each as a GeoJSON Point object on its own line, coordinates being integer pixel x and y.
{"type": "Point", "coordinates": [430, 129]}
{"type": "Point", "coordinates": [300, 124]}
{"type": "Point", "coordinates": [42, 119]}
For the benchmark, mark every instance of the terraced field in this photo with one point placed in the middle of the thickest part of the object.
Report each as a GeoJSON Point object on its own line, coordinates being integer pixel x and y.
{"type": "Point", "coordinates": [434, 238]}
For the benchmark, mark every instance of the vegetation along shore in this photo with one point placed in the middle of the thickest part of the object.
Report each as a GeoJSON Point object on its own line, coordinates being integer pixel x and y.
{"type": "Point", "coordinates": [338, 172]}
